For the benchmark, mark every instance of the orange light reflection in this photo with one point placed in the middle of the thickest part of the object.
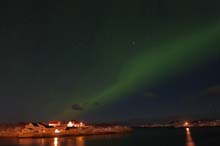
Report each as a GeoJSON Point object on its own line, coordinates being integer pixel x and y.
{"type": "Point", "coordinates": [189, 140]}
{"type": "Point", "coordinates": [80, 141]}
{"type": "Point", "coordinates": [55, 141]}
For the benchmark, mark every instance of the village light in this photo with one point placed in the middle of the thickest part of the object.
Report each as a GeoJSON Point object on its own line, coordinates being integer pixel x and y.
{"type": "Point", "coordinates": [81, 124]}
{"type": "Point", "coordinates": [70, 124]}
{"type": "Point", "coordinates": [54, 123]}
{"type": "Point", "coordinates": [186, 124]}
{"type": "Point", "coordinates": [57, 131]}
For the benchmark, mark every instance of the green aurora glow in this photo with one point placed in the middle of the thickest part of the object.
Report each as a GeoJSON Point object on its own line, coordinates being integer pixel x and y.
{"type": "Point", "coordinates": [149, 66]}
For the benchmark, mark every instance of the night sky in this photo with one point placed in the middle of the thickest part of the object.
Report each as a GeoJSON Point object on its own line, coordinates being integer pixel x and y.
{"type": "Point", "coordinates": [106, 61]}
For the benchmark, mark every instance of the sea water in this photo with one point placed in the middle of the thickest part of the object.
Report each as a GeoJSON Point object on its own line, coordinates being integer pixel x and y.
{"type": "Point", "coordinates": [140, 137]}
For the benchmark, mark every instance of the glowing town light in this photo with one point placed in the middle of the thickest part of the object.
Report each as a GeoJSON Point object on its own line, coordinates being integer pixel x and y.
{"type": "Point", "coordinates": [70, 124]}
{"type": "Point", "coordinates": [57, 131]}
{"type": "Point", "coordinates": [186, 124]}
{"type": "Point", "coordinates": [54, 123]}
{"type": "Point", "coordinates": [187, 129]}
{"type": "Point", "coordinates": [81, 124]}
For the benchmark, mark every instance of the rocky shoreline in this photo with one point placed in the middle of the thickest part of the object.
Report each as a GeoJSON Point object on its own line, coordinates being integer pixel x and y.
{"type": "Point", "coordinates": [40, 131]}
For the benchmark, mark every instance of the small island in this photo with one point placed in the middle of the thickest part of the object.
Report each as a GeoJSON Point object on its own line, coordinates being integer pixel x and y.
{"type": "Point", "coordinates": [58, 129]}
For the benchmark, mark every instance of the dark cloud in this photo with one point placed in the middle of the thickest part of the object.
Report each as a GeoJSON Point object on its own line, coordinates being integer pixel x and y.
{"type": "Point", "coordinates": [77, 107]}
{"type": "Point", "coordinates": [151, 95]}
{"type": "Point", "coordinates": [213, 91]}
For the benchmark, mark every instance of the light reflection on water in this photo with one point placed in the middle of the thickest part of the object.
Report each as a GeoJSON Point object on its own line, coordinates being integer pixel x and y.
{"type": "Point", "coordinates": [189, 140]}
{"type": "Point", "coordinates": [80, 141]}
{"type": "Point", "coordinates": [77, 141]}
{"type": "Point", "coordinates": [66, 141]}
{"type": "Point", "coordinates": [26, 141]}
{"type": "Point", "coordinates": [56, 141]}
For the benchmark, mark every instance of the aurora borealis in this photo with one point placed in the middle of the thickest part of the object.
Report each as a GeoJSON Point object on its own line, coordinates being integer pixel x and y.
{"type": "Point", "coordinates": [110, 61]}
{"type": "Point", "coordinates": [147, 68]}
